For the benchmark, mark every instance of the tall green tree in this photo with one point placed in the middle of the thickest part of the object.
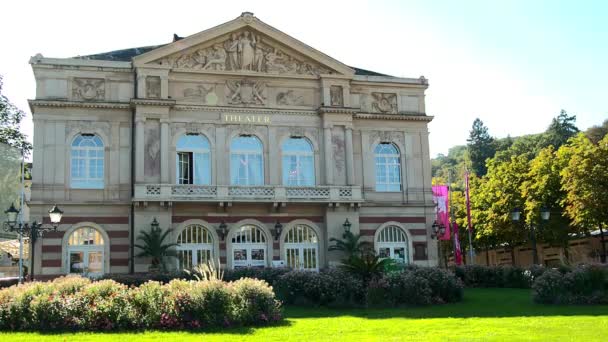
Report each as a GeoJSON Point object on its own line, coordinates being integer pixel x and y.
{"type": "Point", "coordinates": [562, 128]}
{"type": "Point", "coordinates": [597, 132]}
{"type": "Point", "coordinates": [481, 147]}
{"type": "Point", "coordinates": [585, 181]}
{"type": "Point", "coordinates": [542, 189]}
{"type": "Point", "coordinates": [10, 120]}
{"type": "Point", "coordinates": [495, 198]}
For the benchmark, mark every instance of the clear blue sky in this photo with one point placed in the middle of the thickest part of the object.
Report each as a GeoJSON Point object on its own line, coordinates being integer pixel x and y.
{"type": "Point", "coordinates": [514, 64]}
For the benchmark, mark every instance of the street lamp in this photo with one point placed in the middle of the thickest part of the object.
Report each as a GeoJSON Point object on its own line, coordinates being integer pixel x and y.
{"type": "Point", "coordinates": [438, 230]}
{"type": "Point", "coordinates": [278, 228]}
{"type": "Point", "coordinates": [544, 215]}
{"type": "Point", "coordinates": [346, 226]}
{"type": "Point", "coordinates": [32, 231]}
{"type": "Point", "coordinates": [222, 230]}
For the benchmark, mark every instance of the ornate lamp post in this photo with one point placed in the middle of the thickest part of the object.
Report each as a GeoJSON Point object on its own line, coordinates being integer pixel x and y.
{"type": "Point", "coordinates": [347, 226]}
{"type": "Point", "coordinates": [278, 228]}
{"type": "Point", "coordinates": [32, 231]}
{"type": "Point", "coordinates": [438, 230]}
{"type": "Point", "coordinates": [544, 216]}
{"type": "Point", "coordinates": [222, 229]}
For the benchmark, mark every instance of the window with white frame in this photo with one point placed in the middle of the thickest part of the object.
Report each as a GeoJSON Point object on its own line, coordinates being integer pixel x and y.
{"type": "Point", "coordinates": [301, 246]}
{"type": "Point", "coordinates": [246, 161]}
{"type": "Point", "coordinates": [298, 162]}
{"type": "Point", "coordinates": [392, 243]}
{"type": "Point", "coordinates": [87, 162]}
{"type": "Point", "coordinates": [388, 168]}
{"type": "Point", "coordinates": [193, 162]}
{"type": "Point", "coordinates": [85, 251]}
{"type": "Point", "coordinates": [249, 247]}
{"type": "Point", "coordinates": [194, 246]}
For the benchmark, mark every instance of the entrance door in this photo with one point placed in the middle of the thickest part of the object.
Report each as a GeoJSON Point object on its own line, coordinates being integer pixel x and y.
{"type": "Point", "coordinates": [249, 247]}
{"type": "Point", "coordinates": [301, 248]}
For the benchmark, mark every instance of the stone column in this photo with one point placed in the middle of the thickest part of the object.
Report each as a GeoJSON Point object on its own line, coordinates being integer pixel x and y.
{"type": "Point", "coordinates": [164, 151]}
{"type": "Point", "coordinates": [350, 168]}
{"type": "Point", "coordinates": [329, 174]}
{"type": "Point", "coordinates": [139, 149]}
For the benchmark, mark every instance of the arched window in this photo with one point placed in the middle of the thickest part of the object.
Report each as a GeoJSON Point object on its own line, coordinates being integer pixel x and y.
{"type": "Point", "coordinates": [249, 247]}
{"type": "Point", "coordinates": [246, 161]}
{"type": "Point", "coordinates": [302, 248]}
{"type": "Point", "coordinates": [298, 162]}
{"type": "Point", "coordinates": [193, 163]}
{"type": "Point", "coordinates": [392, 243]}
{"type": "Point", "coordinates": [388, 167]}
{"type": "Point", "coordinates": [195, 246]}
{"type": "Point", "coordinates": [87, 162]}
{"type": "Point", "coordinates": [86, 251]}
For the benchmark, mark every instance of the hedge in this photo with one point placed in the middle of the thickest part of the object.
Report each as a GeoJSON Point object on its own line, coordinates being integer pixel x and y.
{"type": "Point", "coordinates": [498, 276]}
{"type": "Point", "coordinates": [75, 303]}
{"type": "Point", "coordinates": [333, 287]}
{"type": "Point", "coordinates": [584, 284]}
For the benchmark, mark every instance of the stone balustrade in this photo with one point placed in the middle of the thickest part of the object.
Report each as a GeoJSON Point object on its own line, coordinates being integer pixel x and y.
{"type": "Point", "coordinates": [262, 193]}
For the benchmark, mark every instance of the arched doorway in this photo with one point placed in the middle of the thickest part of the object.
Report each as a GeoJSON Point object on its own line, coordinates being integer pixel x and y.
{"type": "Point", "coordinates": [249, 247]}
{"type": "Point", "coordinates": [301, 248]}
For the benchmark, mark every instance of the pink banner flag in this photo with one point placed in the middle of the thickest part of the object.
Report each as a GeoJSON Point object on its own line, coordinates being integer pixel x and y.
{"type": "Point", "coordinates": [440, 197]}
{"type": "Point", "coordinates": [457, 250]}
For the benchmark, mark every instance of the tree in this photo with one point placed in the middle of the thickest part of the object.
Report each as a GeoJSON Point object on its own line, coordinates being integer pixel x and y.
{"type": "Point", "coordinates": [596, 133]}
{"type": "Point", "coordinates": [561, 129]}
{"type": "Point", "coordinates": [10, 119]}
{"type": "Point", "coordinates": [154, 246]}
{"type": "Point", "coordinates": [496, 196]}
{"type": "Point", "coordinates": [542, 188]}
{"type": "Point", "coordinates": [481, 147]}
{"type": "Point", "coordinates": [585, 182]}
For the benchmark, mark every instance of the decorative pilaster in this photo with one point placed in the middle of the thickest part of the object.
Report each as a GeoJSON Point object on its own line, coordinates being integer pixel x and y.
{"type": "Point", "coordinates": [139, 149]}
{"type": "Point", "coordinates": [348, 149]}
{"type": "Point", "coordinates": [329, 172]}
{"type": "Point", "coordinates": [164, 151]}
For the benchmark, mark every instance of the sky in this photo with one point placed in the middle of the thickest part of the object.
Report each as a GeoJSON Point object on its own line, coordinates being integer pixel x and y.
{"type": "Point", "coordinates": [513, 64]}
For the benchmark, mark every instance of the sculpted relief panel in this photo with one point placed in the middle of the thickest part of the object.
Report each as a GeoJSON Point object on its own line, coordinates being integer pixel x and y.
{"type": "Point", "coordinates": [384, 103]}
{"type": "Point", "coordinates": [244, 51]}
{"type": "Point", "coordinates": [88, 89]}
{"type": "Point", "coordinates": [246, 92]}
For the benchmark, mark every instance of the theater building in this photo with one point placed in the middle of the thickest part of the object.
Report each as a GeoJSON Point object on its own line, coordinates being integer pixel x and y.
{"type": "Point", "coordinates": [251, 146]}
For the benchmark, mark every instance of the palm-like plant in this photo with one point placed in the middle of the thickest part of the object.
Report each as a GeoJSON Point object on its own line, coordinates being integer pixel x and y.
{"type": "Point", "coordinates": [351, 245]}
{"type": "Point", "coordinates": [366, 266]}
{"type": "Point", "coordinates": [153, 246]}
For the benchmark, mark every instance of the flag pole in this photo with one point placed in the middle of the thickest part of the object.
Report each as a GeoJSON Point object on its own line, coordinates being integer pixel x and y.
{"type": "Point", "coordinates": [470, 228]}
{"type": "Point", "coordinates": [21, 216]}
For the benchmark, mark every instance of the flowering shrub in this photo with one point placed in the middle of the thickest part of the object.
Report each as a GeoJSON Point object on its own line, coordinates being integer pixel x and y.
{"type": "Point", "coordinates": [77, 303]}
{"type": "Point", "coordinates": [497, 276]}
{"type": "Point", "coordinates": [580, 285]}
{"type": "Point", "coordinates": [328, 287]}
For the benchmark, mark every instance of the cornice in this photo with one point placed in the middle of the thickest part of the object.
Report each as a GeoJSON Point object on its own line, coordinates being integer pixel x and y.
{"type": "Point", "coordinates": [244, 110]}
{"type": "Point", "coordinates": [402, 117]}
{"type": "Point", "coordinates": [78, 104]}
{"type": "Point", "coordinates": [152, 102]}
{"type": "Point", "coordinates": [338, 110]}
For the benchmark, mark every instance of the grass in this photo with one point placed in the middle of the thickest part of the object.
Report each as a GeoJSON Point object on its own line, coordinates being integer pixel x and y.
{"type": "Point", "coordinates": [485, 314]}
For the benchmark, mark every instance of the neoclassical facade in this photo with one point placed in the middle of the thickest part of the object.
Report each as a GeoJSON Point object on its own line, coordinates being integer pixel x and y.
{"type": "Point", "coordinates": [251, 146]}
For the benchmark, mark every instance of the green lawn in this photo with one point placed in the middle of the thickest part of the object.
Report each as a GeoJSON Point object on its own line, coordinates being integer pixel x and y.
{"type": "Point", "coordinates": [485, 314]}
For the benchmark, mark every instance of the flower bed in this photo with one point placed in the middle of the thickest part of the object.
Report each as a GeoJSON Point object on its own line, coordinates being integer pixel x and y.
{"type": "Point", "coordinates": [585, 284]}
{"type": "Point", "coordinates": [76, 303]}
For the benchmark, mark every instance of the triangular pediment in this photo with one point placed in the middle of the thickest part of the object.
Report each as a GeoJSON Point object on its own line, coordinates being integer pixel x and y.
{"type": "Point", "coordinates": [244, 44]}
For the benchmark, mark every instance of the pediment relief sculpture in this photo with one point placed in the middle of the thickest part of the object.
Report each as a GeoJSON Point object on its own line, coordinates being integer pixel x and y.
{"type": "Point", "coordinates": [246, 92]}
{"type": "Point", "coordinates": [384, 103]}
{"type": "Point", "coordinates": [244, 51]}
{"type": "Point", "coordinates": [88, 89]}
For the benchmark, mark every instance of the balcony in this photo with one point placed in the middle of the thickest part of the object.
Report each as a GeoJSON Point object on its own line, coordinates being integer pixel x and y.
{"type": "Point", "coordinates": [230, 193]}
